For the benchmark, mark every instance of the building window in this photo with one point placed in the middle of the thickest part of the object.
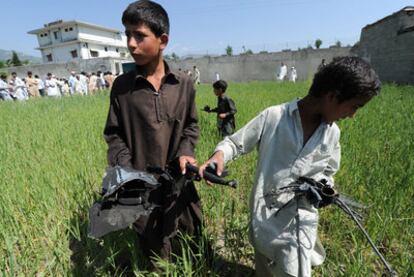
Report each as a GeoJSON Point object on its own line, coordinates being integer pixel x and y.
{"type": "Point", "coordinates": [117, 50]}
{"type": "Point", "coordinates": [94, 54]}
{"type": "Point", "coordinates": [106, 49]}
{"type": "Point", "coordinates": [49, 57]}
{"type": "Point", "coordinates": [66, 29]}
{"type": "Point", "coordinates": [57, 35]}
{"type": "Point", "coordinates": [41, 35]}
{"type": "Point", "coordinates": [70, 29]}
{"type": "Point", "coordinates": [122, 54]}
{"type": "Point", "coordinates": [74, 53]}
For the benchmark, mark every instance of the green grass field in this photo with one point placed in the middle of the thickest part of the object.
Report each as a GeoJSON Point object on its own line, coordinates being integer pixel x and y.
{"type": "Point", "coordinates": [53, 156]}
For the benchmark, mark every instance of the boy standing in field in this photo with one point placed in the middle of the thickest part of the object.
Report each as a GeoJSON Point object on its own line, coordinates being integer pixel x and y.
{"type": "Point", "coordinates": [296, 139]}
{"type": "Point", "coordinates": [152, 121]}
{"type": "Point", "coordinates": [226, 109]}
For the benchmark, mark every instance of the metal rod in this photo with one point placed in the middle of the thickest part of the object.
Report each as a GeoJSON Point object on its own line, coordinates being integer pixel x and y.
{"type": "Point", "coordinates": [344, 206]}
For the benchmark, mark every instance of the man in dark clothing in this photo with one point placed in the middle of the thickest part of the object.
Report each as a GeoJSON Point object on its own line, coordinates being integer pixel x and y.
{"type": "Point", "coordinates": [152, 121]}
{"type": "Point", "coordinates": [225, 109]}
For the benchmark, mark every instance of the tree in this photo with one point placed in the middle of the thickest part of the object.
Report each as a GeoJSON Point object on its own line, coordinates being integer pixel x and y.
{"type": "Point", "coordinates": [229, 50]}
{"type": "Point", "coordinates": [318, 43]}
{"type": "Point", "coordinates": [15, 61]}
{"type": "Point", "coordinates": [338, 43]}
{"type": "Point", "coordinates": [2, 64]}
{"type": "Point", "coordinates": [248, 52]}
{"type": "Point", "coordinates": [174, 56]}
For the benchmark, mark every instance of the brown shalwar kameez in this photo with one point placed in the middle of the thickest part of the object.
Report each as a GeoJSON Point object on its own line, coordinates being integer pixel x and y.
{"type": "Point", "coordinates": [153, 128]}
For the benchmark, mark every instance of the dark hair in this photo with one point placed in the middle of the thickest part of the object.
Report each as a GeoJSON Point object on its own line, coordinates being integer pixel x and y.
{"type": "Point", "coordinates": [13, 73]}
{"type": "Point", "coordinates": [347, 77]}
{"type": "Point", "coordinates": [49, 74]}
{"type": "Point", "coordinates": [220, 84]}
{"type": "Point", "coordinates": [149, 13]}
{"type": "Point", "coordinates": [36, 76]}
{"type": "Point", "coordinates": [3, 76]}
{"type": "Point", "coordinates": [29, 72]}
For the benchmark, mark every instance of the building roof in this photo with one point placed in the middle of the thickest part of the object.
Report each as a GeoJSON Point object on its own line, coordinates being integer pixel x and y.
{"type": "Point", "coordinates": [61, 23]}
{"type": "Point", "coordinates": [406, 9]}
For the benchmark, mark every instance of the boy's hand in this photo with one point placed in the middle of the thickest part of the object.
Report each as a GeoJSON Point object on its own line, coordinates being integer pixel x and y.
{"type": "Point", "coordinates": [222, 115]}
{"type": "Point", "coordinates": [218, 160]}
{"type": "Point", "coordinates": [183, 160]}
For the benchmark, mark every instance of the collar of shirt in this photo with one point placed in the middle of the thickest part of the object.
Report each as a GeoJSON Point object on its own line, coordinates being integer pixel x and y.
{"type": "Point", "coordinates": [293, 106]}
{"type": "Point", "coordinates": [170, 75]}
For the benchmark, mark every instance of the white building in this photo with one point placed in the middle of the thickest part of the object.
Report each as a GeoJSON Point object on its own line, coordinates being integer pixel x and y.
{"type": "Point", "coordinates": [64, 41]}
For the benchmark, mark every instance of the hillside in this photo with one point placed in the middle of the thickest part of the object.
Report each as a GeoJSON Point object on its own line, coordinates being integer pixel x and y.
{"type": "Point", "coordinates": [7, 54]}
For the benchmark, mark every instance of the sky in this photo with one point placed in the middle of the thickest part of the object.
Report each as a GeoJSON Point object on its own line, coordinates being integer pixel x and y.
{"type": "Point", "coordinates": [207, 27]}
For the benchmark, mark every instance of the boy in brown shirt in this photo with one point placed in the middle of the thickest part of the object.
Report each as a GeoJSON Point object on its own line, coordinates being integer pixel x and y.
{"type": "Point", "coordinates": [152, 121]}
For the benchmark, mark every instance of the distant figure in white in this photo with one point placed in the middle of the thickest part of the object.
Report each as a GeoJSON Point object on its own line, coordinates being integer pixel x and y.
{"type": "Point", "coordinates": [217, 75]}
{"type": "Point", "coordinates": [282, 72]}
{"type": "Point", "coordinates": [293, 74]}
{"type": "Point", "coordinates": [72, 80]}
{"type": "Point", "coordinates": [83, 83]}
{"type": "Point", "coordinates": [197, 75]}
{"type": "Point", "coordinates": [4, 88]}
{"type": "Point", "coordinates": [51, 86]}
{"type": "Point", "coordinates": [18, 88]}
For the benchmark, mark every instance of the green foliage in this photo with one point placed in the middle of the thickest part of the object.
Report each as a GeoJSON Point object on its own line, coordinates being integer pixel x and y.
{"type": "Point", "coordinates": [15, 61]}
{"type": "Point", "coordinates": [2, 64]}
{"type": "Point", "coordinates": [318, 43]}
{"type": "Point", "coordinates": [53, 157]}
{"type": "Point", "coordinates": [174, 57]}
{"type": "Point", "coordinates": [229, 50]}
{"type": "Point", "coordinates": [338, 43]}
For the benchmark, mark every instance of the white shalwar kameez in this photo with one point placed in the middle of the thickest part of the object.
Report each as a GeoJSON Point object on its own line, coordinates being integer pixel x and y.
{"type": "Point", "coordinates": [289, 238]}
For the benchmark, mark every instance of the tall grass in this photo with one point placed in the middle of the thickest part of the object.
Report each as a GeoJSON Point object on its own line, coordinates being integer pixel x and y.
{"type": "Point", "coordinates": [53, 156]}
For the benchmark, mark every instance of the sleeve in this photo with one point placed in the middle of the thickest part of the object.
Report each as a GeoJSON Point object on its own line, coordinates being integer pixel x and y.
{"type": "Point", "coordinates": [214, 110]}
{"type": "Point", "coordinates": [231, 107]}
{"type": "Point", "coordinates": [333, 165]}
{"type": "Point", "coordinates": [245, 139]}
{"type": "Point", "coordinates": [118, 152]}
{"type": "Point", "coordinates": [190, 131]}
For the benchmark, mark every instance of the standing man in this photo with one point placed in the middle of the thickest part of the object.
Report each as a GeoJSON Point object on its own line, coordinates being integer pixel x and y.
{"type": "Point", "coordinates": [293, 74]}
{"type": "Point", "coordinates": [72, 82]}
{"type": "Point", "coordinates": [152, 121]}
{"type": "Point", "coordinates": [40, 85]}
{"type": "Point", "coordinates": [282, 72]}
{"type": "Point", "coordinates": [83, 83]}
{"type": "Point", "coordinates": [32, 85]}
{"type": "Point", "coordinates": [197, 75]}
{"type": "Point", "coordinates": [4, 88]}
{"type": "Point", "coordinates": [18, 88]}
{"type": "Point", "coordinates": [51, 86]}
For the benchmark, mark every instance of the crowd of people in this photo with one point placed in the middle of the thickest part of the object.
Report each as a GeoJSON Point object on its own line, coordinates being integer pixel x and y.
{"type": "Point", "coordinates": [15, 88]}
{"type": "Point", "coordinates": [195, 74]}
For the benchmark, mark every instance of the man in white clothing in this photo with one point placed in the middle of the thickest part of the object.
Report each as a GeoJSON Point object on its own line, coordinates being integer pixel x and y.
{"type": "Point", "coordinates": [52, 86]}
{"type": "Point", "coordinates": [4, 89]}
{"type": "Point", "coordinates": [296, 139]}
{"type": "Point", "coordinates": [293, 74]}
{"type": "Point", "coordinates": [282, 72]}
{"type": "Point", "coordinates": [72, 82]}
{"type": "Point", "coordinates": [18, 88]}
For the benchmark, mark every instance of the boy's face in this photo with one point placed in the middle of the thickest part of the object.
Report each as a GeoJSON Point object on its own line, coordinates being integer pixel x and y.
{"type": "Point", "coordinates": [142, 43]}
{"type": "Point", "coordinates": [218, 91]}
{"type": "Point", "coordinates": [334, 111]}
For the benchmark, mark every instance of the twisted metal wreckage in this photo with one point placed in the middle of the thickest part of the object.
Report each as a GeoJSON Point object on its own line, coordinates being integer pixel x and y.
{"type": "Point", "coordinates": [126, 195]}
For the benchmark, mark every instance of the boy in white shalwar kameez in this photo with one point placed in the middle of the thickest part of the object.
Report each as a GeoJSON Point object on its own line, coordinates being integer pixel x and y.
{"type": "Point", "coordinates": [296, 139]}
